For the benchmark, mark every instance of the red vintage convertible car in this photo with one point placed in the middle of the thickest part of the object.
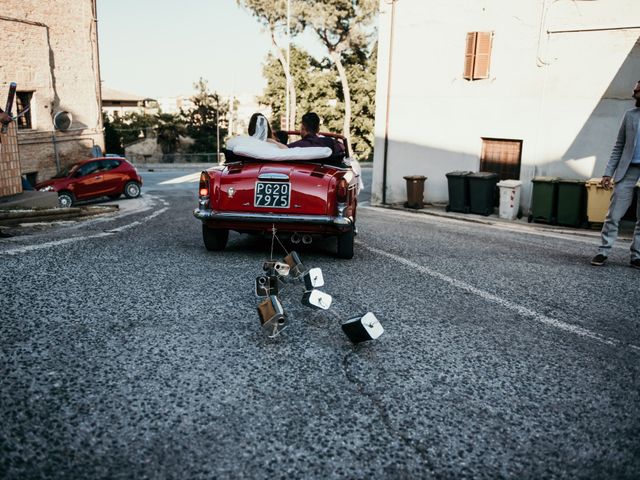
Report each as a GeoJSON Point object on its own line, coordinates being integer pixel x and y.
{"type": "Point", "coordinates": [300, 197]}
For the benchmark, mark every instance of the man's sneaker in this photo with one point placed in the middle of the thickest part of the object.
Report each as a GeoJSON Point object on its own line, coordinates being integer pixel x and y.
{"type": "Point", "coordinates": [635, 263]}
{"type": "Point", "coordinates": [598, 260]}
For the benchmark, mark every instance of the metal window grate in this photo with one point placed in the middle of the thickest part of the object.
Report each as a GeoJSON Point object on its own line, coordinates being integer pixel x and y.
{"type": "Point", "coordinates": [501, 156]}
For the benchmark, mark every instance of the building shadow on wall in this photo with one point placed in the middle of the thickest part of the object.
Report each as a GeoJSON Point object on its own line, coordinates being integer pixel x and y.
{"type": "Point", "coordinates": [407, 158]}
{"type": "Point", "coordinates": [614, 101]}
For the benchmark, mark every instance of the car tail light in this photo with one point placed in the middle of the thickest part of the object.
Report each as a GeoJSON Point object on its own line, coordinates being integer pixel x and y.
{"type": "Point", "coordinates": [342, 190]}
{"type": "Point", "coordinates": [204, 185]}
{"type": "Point", "coordinates": [203, 191]}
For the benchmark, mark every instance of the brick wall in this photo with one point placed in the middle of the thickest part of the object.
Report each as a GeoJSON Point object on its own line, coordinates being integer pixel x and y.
{"type": "Point", "coordinates": [10, 181]}
{"type": "Point", "coordinates": [50, 49]}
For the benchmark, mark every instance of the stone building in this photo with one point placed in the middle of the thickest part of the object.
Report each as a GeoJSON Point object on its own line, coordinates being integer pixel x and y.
{"type": "Point", "coordinates": [520, 88]}
{"type": "Point", "coordinates": [50, 49]}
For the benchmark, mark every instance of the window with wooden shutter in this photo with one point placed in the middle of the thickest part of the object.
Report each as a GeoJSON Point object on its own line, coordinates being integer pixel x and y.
{"type": "Point", "coordinates": [477, 58]}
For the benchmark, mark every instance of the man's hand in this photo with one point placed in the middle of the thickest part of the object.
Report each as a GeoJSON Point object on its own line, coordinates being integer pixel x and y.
{"type": "Point", "coordinates": [606, 183]}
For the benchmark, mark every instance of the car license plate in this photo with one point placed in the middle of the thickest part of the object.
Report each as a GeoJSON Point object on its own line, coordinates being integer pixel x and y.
{"type": "Point", "coordinates": [272, 194]}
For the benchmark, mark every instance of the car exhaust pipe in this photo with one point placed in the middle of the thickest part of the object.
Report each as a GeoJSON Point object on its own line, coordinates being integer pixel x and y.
{"type": "Point", "coordinates": [307, 239]}
{"type": "Point", "coordinates": [295, 238]}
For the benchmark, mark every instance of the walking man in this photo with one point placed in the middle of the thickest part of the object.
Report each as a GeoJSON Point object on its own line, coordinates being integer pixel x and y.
{"type": "Point", "coordinates": [623, 173]}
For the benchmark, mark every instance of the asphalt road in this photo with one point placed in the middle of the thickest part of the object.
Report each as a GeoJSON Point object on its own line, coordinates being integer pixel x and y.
{"type": "Point", "coordinates": [129, 351]}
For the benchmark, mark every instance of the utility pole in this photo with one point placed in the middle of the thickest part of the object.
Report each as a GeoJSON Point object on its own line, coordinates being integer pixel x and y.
{"type": "Point", "coordinates": [218, 129]}
{"type": "Point", "coordinates": [386, 125]}
{"type": "Point", "coordinates": [288, 98]}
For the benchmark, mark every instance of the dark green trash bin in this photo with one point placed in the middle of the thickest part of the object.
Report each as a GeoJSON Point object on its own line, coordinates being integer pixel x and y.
{"type": "Point", "coordinates": [572, 205]}
{"type": "Point", "coordinates": [458, 185]}
{"type": "Point", "coordinates": [482, 192]}
{"type": "Point", "coordinates": [544, 200]}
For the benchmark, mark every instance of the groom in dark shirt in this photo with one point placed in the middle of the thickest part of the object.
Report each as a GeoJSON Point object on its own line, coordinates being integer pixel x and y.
{"type": "Point", "coordinates": [310, 138]}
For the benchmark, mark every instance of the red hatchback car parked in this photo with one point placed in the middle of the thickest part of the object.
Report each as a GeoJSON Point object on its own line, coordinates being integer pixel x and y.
{"type": "Point", "coordinates": [93, 178]}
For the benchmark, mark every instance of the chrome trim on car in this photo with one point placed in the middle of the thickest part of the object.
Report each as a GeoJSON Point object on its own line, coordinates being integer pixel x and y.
{"type": "Point", "coordinates": [207, 214]}
{"type": "Point", "coordinates": [278, 177]}
{"type": "Point", "coordinates": [341, 209]}
{"type": "Point", "coordinates": [203, 202]}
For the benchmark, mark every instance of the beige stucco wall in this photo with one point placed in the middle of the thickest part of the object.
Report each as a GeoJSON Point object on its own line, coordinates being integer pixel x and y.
{"type": "Point", "coordinates": [50, 48]}
{"type": "Point", "coordinates": [561, 93]}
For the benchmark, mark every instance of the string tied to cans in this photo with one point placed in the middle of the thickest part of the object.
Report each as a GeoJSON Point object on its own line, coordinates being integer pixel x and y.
{"type": "Point", "coordinates": [291, 269]}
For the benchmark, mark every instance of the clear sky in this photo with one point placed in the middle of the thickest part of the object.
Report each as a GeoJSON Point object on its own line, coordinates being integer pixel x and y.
{"type": "Point", "coordinates": [159, 48]}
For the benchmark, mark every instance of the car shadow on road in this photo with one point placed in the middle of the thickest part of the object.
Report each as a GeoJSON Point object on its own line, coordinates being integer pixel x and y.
{"type": "Point", "coordinates": [262, 244]}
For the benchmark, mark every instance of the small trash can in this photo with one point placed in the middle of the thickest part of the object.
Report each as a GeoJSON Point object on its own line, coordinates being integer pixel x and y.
{"type": "Point", "coordinates": [509, 198]}
{"type": "Point", "coordinates": [544, 200]}
{"type": "Point", "coordinates": [571, 203]}
{"type": "Point", "coordinates": [415, 191]}
{"type": "Point", "coordinates": [482, 192]}
{"type": "Point", "coordinates": [598, 199]}
{"type": "Point", "coordinates": [458, 185]}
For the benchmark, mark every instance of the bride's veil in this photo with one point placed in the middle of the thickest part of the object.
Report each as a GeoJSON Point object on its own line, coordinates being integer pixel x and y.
{"type": "Point", "coordinates": [261, 128]}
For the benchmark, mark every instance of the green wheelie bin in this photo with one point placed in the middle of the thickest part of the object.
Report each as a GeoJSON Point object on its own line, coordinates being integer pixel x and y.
{"type": "Point", "coordinates": [458, 185]}
{"type": "Point", "coordinates": [572, 205]}
{"type": "Point", "coordinates": [544, 200]}
{"type": "Point", "coordinates": [482, 192]}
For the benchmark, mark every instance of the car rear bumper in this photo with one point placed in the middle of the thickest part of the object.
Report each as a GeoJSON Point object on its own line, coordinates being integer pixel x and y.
{"type": "Point", "coordinates": [247, 218]}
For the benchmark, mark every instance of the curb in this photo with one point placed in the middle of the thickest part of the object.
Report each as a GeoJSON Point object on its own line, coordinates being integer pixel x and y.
{"type": "Point", "coordinates": [171, 166]}
{"type": "Point", "coordinates": [515, 226]}
{"type": "Point", "coordinates": [16, 217]}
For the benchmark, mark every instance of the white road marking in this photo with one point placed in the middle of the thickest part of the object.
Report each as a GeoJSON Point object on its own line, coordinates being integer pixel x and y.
{"type": "Point", "coordinates": [191, 178]}
{"type": "Point", "coordinates": [66, 241]}
{"type": "Point", "coordinates": [552, 322]}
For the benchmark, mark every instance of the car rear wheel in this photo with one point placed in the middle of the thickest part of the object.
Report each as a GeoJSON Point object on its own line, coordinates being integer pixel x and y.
{"type": "Point", "coordinates": [65, 199]}
{"type": "Point", "coordinates": [132, 190]}
{"type": "Point", "coordinates": [215, 239]}
{"type": "Point", "coordinates": [345, 245]}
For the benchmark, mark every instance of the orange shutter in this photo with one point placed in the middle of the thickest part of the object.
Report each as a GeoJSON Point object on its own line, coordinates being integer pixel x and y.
{"type": "Point", "coordinates": [483, 55]}
{"type": "Point", "coordinates": [469, 56]}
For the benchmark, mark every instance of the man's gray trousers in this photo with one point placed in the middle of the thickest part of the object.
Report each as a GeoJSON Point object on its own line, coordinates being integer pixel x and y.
{"type": "Point", "coordinates": [620, 201]}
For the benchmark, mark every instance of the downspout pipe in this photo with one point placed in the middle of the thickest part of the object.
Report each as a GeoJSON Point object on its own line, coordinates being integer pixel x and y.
{"type": "Point", "coordinates": [386, 125]}
{"type": "Point", "coordinates": [55, 151]}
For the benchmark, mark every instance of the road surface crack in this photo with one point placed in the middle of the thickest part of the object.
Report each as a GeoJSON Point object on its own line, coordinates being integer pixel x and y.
{"type": "Point", "coordinates": [383, 414]}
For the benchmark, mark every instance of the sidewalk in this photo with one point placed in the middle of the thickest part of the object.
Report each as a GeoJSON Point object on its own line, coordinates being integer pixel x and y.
{"type": "Point", "coordinates": [522, 225]}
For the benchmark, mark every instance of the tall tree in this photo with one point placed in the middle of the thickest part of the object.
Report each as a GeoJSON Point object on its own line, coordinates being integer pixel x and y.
{"type": "Point", "coordinates": [126, 129]}
{"type": "Point", "coordinates": [112, 140]}
{"type": "Point", "coordinates": [361, 69]}
{"type": "Point", "coordinates": [341, 26]}
{"type": "Point", "coordinates": [169, 130]}
{"type": "Point", "coordinates": [272, 14]}
{"type": "Point", "coordinates": [315, 79]}
{"type": "Point", "coordinates": [207, 120]}
{"type": "Point", "coordinates": [323, 93]}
